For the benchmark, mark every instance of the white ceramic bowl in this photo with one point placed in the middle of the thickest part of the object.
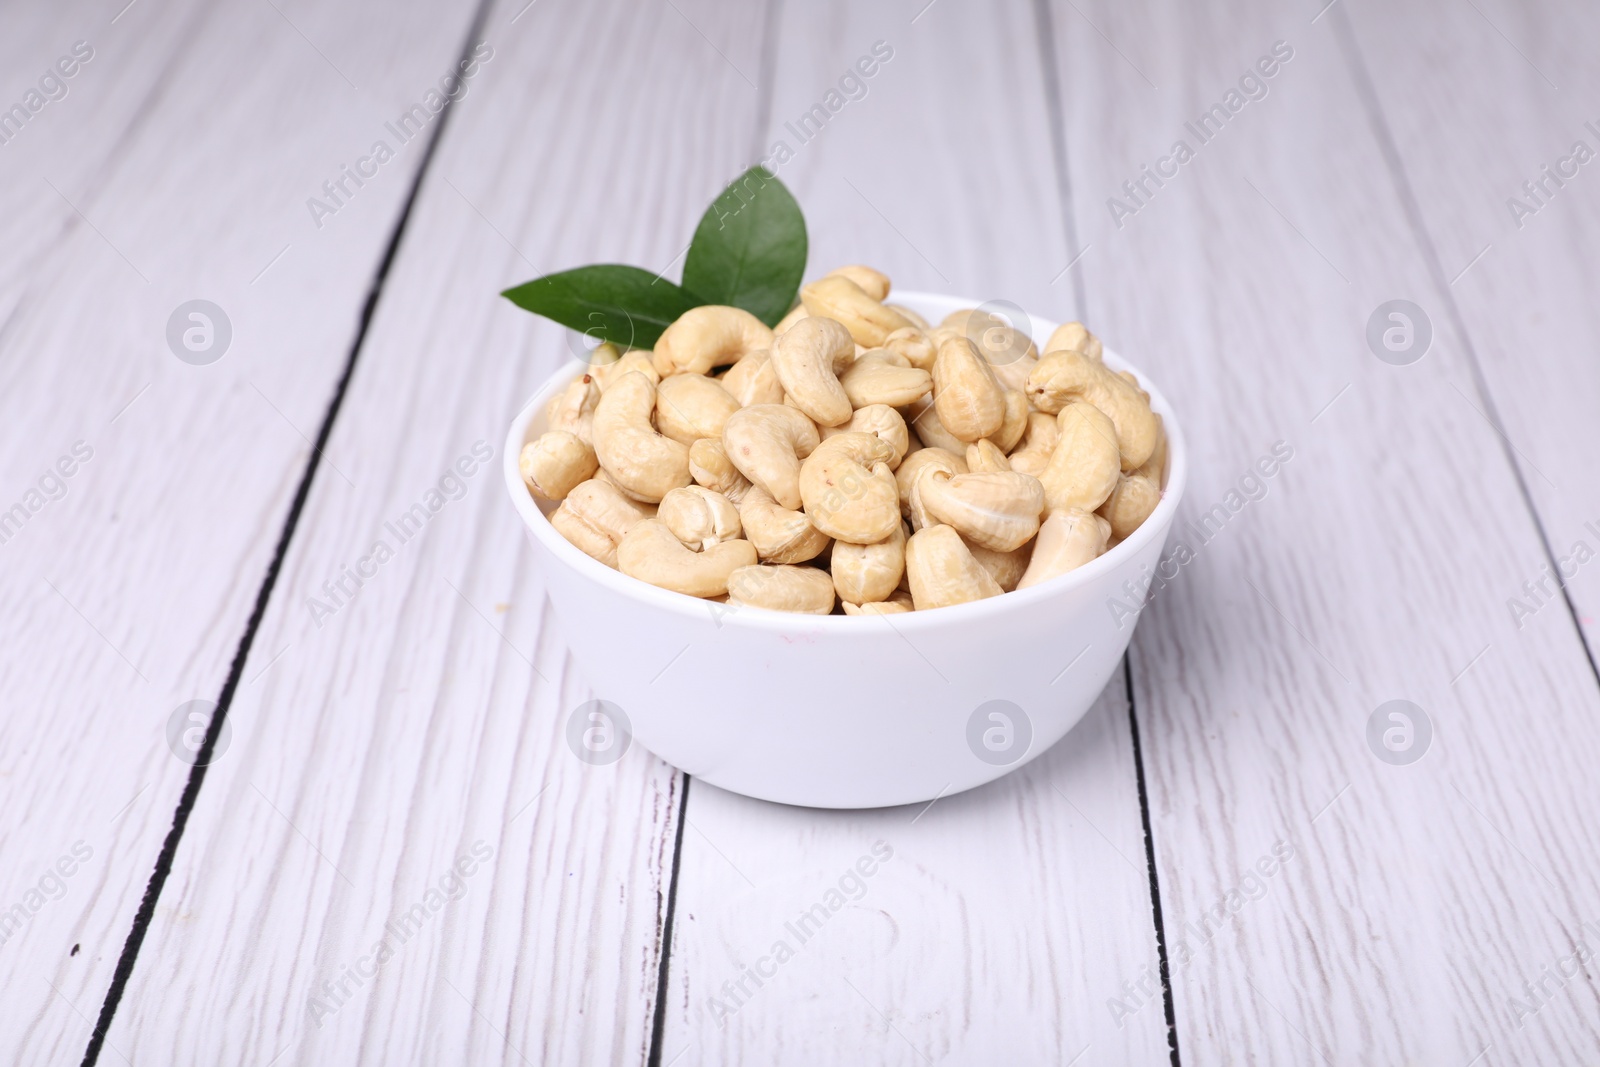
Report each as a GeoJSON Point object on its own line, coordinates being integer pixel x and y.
{"type": "Point", "coordinates": [845, 711]}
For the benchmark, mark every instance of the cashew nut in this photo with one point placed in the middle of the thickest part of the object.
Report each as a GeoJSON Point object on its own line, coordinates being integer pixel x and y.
{"type": "Point", "coordinates": [1067, 540]}
{"type": "Point", "coordinates": [882, 422]}
{"type": "Point", "coordinates": [1009, 352]}
{"type": "Point", "coordinates": [1076, 337]}
{"type": "Point", "coordinates": [633, 361]}
{"type": "Point", "coordinates": [554, 464]}
{"type": "Point", "coordinates": [1071, 375]}
{"type": "Point", "coordinates": [872, 282]}
{"type": "Point", "coordinates": [699, 517]}
{"type": "Point", "coordinates": [874, 379]}
{"type": "Point", "coordinates": [572, 409]}
{"type": "Point", "coordinates": [652, 554]}
{"type": "Point", "coordinates": [863, 573]}
{"type": "Point", "coordinates": [1032, 454]}
{"type": "Point", "coordinates": [753, 380]}
{"type": "Point", "coordinates": [942, 571]}
{"type": "Point", "coordinates": [807, 590]}
{"type": "Point", "coordinates": [642, 462]}
{"type": "Point", "coordinates": [914, 346]}
{"type": "Point", "coordinates": [898, 604]}
{"type": "Point", "coordinates": [712, 335]}
{"type": "Point", "coordinates": [844, 497]}
{"type": "Point", "coordinates": [968, 399]}
{"type": "Point", "coordinates": [1006, 568]}
{"type": "Point", "coordinates": [837, 297]}
{"type": "Point", "coordinates": [1130, 503]}
{"type": "Point", "coordinates": [923, 418]}
{"type": "Point", "coordinates": [794, 315]}
{"type": "Point", "coordinates": [905, 475]}
{"type": "Point", "coordinates": [983, 457]}
{"type": "Point", "coordinates": [808, 358]}
{"type": "Point", "coordinates": [1084, 465]}
{"type": "Point", "coordinates": [595, 517]}
{"type": "Point", "coordinates": [1016, 421]}
{"type": "Point", "coordinates": [766, 442]}
{"type": "Point", "coordinates": [710, 466]}
{"type": "Point", "coordinates": [691, 406]}
{"type": "Point", "coordinates": [911, 316]}
{"type": "Point", "coordinates": [779, 534]}
{"type": "Point", "coordinates": [999, 510]}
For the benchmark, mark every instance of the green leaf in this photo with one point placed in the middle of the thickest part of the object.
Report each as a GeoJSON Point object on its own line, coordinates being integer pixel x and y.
{"type": "Point", "coordinates": [750, 248]}
{"type": "Point", "coordinates": [608, 301]}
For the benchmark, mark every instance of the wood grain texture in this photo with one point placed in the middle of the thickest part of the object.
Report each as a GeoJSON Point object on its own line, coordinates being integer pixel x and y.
{"type": "Point", "coordinates": [176, 166]}
{"type": "Point", "coordinates": [429, 712]}
{"type": "Point", "coordinates": [1008, 917]}
{"type": "Point", "coordinates": [1372, 566]}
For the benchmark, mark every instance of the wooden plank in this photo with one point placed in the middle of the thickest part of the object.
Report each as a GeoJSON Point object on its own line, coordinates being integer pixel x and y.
{"type": "Point", "coordinates": [170, 171]}
{"type": "Point", "coordinates": [1003, 922]}
{"type": "Point", "coordinates": [1372, 565]}
{"type": "Point", "coordinates": [428, 713]}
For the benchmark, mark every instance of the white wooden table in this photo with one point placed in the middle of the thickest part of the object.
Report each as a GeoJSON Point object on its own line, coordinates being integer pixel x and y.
{"type": "Point", "coordinates": [1216, 866]}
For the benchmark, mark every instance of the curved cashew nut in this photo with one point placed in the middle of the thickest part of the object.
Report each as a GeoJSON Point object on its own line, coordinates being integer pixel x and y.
{"type": "Point", "coordinates": [1009, 352]}
{"type": "Point", "coordinates": [984, 458]}
{"type": "Point", "coordinates": [782, 587]}
{"type": "Point", "coordinates": [905, 475]}
{"type": "Point", "coordinates": [923, 418]}
{"type": "Point", "coordinates": [999, 510]}
{"type": "Point", "coordinates": [712, 335]}
{"type": "Point", "coordinates": [650, 553]}
{"type": "Point", "coordinates": [1085, 463]}
{"type": "Point", "coordinates": [692, 406]}
{"type": "Point", "coordinates": [1067, 540]}
{"type": "Point", "coordinates": [766, 442]}
{"type": "Point", "coordinates": [1071, 375]}
{"type": "Point", "coordinates": [572, 409]}
{"type": "Point", "coordinates": [595, 517]}
{"type": "Point", "coordinates": [710, 466]}
{"type": "Point", "coordinates": [1130, 503]}
{"type": "Point", "coordinates": [555, 464]}
{"type": "Point", "coordinates": [969, 400]}
{"type": "Point", "coordinates": [910, 316]}
{"type": "Point", "coordinates": [864, 573]}
{"type": "Point", "coordinates": [779, 534]}
{"type": "Point", "coordinates": [1016, 422]}
{"type": "Point", "coordinates": [794, 315]}
{"type": "Point", "coordinates": [942, 571]}
{"type": "Point", "coordinates": [699, 517]}
{"type": "Point", "coordinates": [837, 297]}
{"type": "Point", "coordinates": [642, 462]}
{"type": "Point", "coordinates": [1032, 455]}
{"type": "Point", "coordinates": [843, 497]}
{"type": "Point", "coordinates": [873, 379]}
{"type": "Point", "coordinates": [1006, 568]}
{"type": "Point", "coordinates": [808, 358]}
{"type": "Point", "coordinates": [634, 361]}
{"type": "Point", "coordinates": [913, 345]}
{"type": "Point", "coordinates": [1076, 337]}
{"type": "Point", "coordinates": [874, 283]}
{"type": "Point", "coordinates": [753, 380]}
{"type": "Point", "coordinates": [898, 604]}
{"type": "Point", "coordinates": [882, 422]}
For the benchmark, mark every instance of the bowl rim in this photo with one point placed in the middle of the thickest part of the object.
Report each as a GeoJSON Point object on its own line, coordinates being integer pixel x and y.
{"type": "Point", "coordinates": [739, 617]}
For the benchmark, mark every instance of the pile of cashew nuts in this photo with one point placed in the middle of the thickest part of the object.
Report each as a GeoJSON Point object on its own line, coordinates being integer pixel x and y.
{"type": "Point", "coordinates": [854, 457]}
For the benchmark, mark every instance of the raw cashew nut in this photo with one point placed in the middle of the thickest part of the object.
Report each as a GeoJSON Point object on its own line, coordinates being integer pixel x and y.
{"type": "Point", "coordinates": [1070, 375]}
{"type": "Point", "coordinates": [942, 571]}
{"type": "Point", "coordinates": [1016, 422]}
{"type": "Point", "coordinates": [913, 345]}
{"type": "Point", "coordinates": [1076, 337]}
{"type": "Point", "coordinates": [923, 418]}
{"type": "Point", "coordinates": [898, 604]}
{"type": "Point", "coordinates": [699, 517]}
{"type": "Point", "coordinates": [905, 476]}
{"type": "Point", "coordinates": [1085, 463]}
{"type": "Point", "coordinates": [572, 409]}
{"type": "Point", "coordinates": [1009, 352]}
{"type": "Point", "coordinates": [874, 283]}
{"type": "Point", "coordinates": [1038, 442]}
{"type": "Point", "coordinates": [968, 399]}
{"type": "Point", "coordinates": [650, 553]}
{"type": "Point", "coordinates": [837, 297]}
{"type": "Point", "coordinates": [644, 463]}
{"type": "Point", "coordinates": [1067, 540]}
{"type": "Point", "coordinates": [808, 359]}
{"type": "Point", "coordinates": [779, 534]}
{"type": "Point", "coordinates": [555, 464]}
{"type": "Point", "coordinates": [882, 422]}
{"type": "Point", "coordinates": [595, 517]}
{"type": "Point", "coordinates": [766, 442]}
{"type": "Point", "coordinates": [911, 316]}
{"type": "Point", "coordinates": [806, 590]}
{"type": "Point", "coordinates": [1130, 503]}
{"type": "Point", "coordinates": [633, 361]}
{"type": "Point", "coordinates": [710, 466]}
{"type": "Point", "coordinates": [863, 573]}
{"type": "Point", "coordinates": [999, 510]}
{"type": "Point", "coordinates": [712, 335]}
{"type": "Point", "coordinates": [984, 458]}
{"type": "Point", "coordinates": [794, 315]}
{"type": "Point", "coordinates": [692, 406]}
{"type": "Point", "coordinates": [753, 380]}
{"type": "Point", "coordinates": [1006, 568]}
{"type": "Point", "coordinates": [844, 496]}
{"type": "Point", "coordinates": [873, 379]}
